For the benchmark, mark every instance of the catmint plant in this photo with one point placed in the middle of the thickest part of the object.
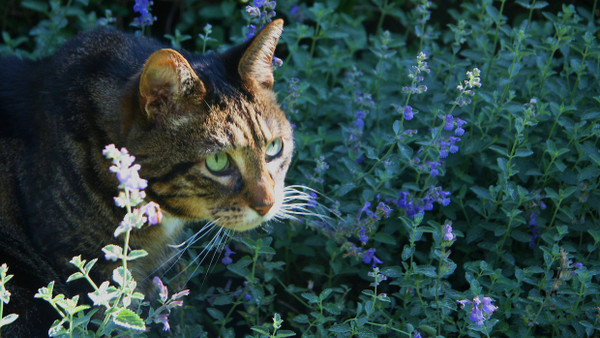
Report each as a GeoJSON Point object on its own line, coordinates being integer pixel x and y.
{"type": "Point", "coordinates": [116, 300]}
{"type": "Point", "coordinates": [5, 297]}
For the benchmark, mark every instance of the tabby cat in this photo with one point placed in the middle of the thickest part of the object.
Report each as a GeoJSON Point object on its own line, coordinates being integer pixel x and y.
{"type": "Point", "coordinates": [207, 130]}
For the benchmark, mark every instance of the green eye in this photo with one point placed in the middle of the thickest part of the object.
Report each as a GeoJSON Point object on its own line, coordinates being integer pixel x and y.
{"type": "Point", "coordinates": [217, 162]}
{"type": "Point", "coordinates": [274, 148]}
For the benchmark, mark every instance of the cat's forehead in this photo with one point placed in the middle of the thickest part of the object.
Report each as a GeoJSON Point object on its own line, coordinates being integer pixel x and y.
{"type": "Point", "coordinates": [246, 123]}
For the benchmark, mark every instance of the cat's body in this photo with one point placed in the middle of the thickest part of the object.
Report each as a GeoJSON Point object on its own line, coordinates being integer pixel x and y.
{"type": "Point", "coordinates": [172, 111]}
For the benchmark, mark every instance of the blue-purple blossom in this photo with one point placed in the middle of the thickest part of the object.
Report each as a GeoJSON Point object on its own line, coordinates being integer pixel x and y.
{"type": "Point", "coordinates": [481, 309]}
{"type": "Point", "coordinates": [152, 211]}
{"type": "Point", "coordinates": [168, 304]}
{"type": "Point", "coordinates": [459, 131]}
{"type": "Point", "coordinates": [408, 113]}
{"type": "Point", "coordinates": [449, 122]}
{"type": "Point", "coordinates": [362, 236]}
{"type": "Point", "coordinates": [383, 210]}
{"type": "Point", "coordinates": [312, 201]}
{"type": "Point", "coordinates": [251, 31]}
{"type": "Point", "coordinates": [365, 209]}
{"type": "Point", "coordinates": [448, 234]}
{"type": "Point", "coordinates": [370, 258]}
{"type": "Point", "coordinates": [252, 11]}
{"type": "Point", "coordinates": [433, 168]}
{"type": "Point", "coordinates": [142, 7]}
{"type": "Point", "coordinates": [277, 62]}
{"type": "Point", "coordinates": [227, 260]}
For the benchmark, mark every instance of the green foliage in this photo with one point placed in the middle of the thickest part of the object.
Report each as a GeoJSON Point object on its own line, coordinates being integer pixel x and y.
{"type": "Point", "coordinates": [517, 179]}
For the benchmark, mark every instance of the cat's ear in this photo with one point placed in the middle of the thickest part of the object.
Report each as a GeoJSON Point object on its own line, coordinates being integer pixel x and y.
{"type": "Point", "coordinates": [166, 80]}
{"type": "Point", "coordinates": [256, 65]}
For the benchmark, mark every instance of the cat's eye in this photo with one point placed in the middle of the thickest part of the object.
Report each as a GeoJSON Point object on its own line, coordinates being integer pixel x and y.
{"type": "Point", "coordinates": [274, 149]}
{"type": "Point", "coordinates": [217, 162]}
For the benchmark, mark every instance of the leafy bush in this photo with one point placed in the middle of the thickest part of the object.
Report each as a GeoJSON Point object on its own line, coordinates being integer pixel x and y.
{"type": "Point", "coordinates": [455, 149]}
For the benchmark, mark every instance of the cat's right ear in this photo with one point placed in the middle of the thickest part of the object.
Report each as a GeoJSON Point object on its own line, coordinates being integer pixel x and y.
{"type": "Point", "coordinates": [167, 81]}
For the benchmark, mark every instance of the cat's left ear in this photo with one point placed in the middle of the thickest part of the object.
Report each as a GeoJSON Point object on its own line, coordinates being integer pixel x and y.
{"type": "Point", "coordinates": [167, 80]}
{"type": "Point", "coordinates": [256, 65]}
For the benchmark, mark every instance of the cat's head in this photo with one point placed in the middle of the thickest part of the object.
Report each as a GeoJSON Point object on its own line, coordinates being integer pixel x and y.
{"type": "Point", "coordinates": [209, 134]}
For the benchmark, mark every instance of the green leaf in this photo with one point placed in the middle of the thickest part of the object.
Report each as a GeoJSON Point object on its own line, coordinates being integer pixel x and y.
{"type": "Point", "coordinates": [129, 320]}
{"type": "Point", "coordinates": [396, 127]}
{"type": "Point", "coordinates": [285, 333]}
{"type": "Point", "coordinates": [241, 266]}
{"type": "Point", "coordinates": [499, 150]}
{"type": "Point", "coordinates": [38, 6]}
{"type": "Point", "coordinates": [75, 276]}
{"type": "Point", "coordinates": [8, 319]}
{"type": "Point", "coordinates": [311, 297]}
{"type": "Point", "coordinates": [523, 153]}
{"type": "Point", "coordinates": [135, 254]}
{"type": "Point", "coordinates": [89, 265]}
{"type": "Point", "coordinates": [340, 328]}
{"type": "Point", "coordinates": [216, 314]}
{"type": "Point", "coordinates": [482, 193]}
{"type": "Point", "coordinates": [302, 319]}
{"type": "Point", "coordinates": [260, 330]}
{"type": "Point", "coordinates": [267, 250]}
{"type": "Point", "coordinates": [392, 271]}
{"type": "Point", "coordinates": [325, 293]}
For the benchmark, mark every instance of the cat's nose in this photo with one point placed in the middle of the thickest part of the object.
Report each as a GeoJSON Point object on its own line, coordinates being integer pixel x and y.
{"type": "Point", "coordinates": [260, 196]}
{"type": "Point", "coordinates": [263, 209]}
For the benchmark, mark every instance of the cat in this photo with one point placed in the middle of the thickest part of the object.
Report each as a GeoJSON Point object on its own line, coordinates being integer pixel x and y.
{"type": "Point", "coordinates": [207, 130]}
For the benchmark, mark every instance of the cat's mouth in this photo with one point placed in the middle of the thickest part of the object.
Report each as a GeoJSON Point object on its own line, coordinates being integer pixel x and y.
{"type": "Point", "coordinates": [246, 218]}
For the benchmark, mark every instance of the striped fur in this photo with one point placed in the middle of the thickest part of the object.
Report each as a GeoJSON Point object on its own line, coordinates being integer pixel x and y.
{"type": "Point", "coordinates": [171, 110]}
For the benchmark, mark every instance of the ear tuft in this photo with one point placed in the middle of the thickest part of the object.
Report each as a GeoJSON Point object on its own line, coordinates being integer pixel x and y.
{"type": "Point", "coordinates": [256, 65]}
{"type": "Point", "coordinates": [166, 78]}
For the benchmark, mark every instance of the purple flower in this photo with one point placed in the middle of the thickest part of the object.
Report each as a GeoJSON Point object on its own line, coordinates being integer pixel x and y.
{"type": "Point", "coordinates": [251, 31]}
{"type": "Point", "coordinates": [363, 238]}
{"type": "Point", "coordinates": [480, 310]}
{"type": "Point", "coordinates": [365, 209]}
{"type": "Point", "coordinates": [152, 211]}
{"type": "Point", "coordinates": [142, 7]}
{"type": "Point", "coordinates": [428, 203]}
{"type": "Point", "coordinates": [408, 113]}
{"type": "Point", "coordinates": [312, 201]}
{"type": "Point", "coordinates": [370, 258]}
{"type": "Point", "coordinates": [449, 125]}
{"type": "Point", "coordinates": [227, 260]}
{"type": "Point", "coordinates": [383, 210]}
{"type": "Point", "coordinates": [448, 234]}
{"type": "Point", "coordinates": [163, 292]}
{"type": "Point", "coordinates": [164, 320]}
{"type": "Point", "coordinates": [444, 198]}
{"type": "Point", "coordinates": [533, 219]}
{"type": "Point", "coordinates": [294, 10]}
{"type": "Point", "coordinates": [434, 171]}
{"type": "Point", "coordinates": [259, 3]}
{"type": "Point", "coordinates": [487, 306]}
{"type": "Point", "coordinates": [277, 62]}
{"type": "Point", "coordinates": [252, 11]}
{"type": "Point", "coordinates": [459, 131]}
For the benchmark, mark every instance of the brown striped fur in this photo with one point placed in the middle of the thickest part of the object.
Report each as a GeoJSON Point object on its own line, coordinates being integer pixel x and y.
{"type": "Point", "coordinates": [170, 109]}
